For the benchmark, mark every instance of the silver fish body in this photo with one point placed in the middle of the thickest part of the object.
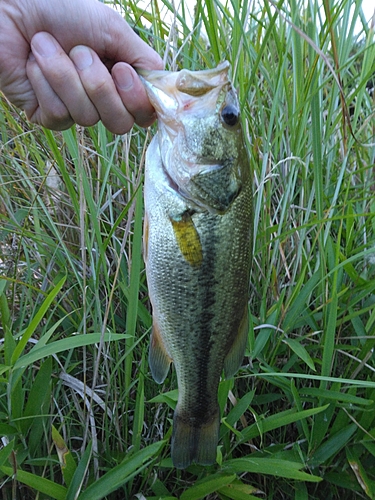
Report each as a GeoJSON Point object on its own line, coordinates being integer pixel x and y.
{"type": "Point", "coordinates": [197, 244]}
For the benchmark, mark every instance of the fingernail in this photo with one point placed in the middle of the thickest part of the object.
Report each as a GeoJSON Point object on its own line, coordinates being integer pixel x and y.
{"type": "Point", "coordinates": [44, 44]}
{"type": "Point", "coordinates": [81, 56]}
{"type": "Point", "coordinates": [124, 78]}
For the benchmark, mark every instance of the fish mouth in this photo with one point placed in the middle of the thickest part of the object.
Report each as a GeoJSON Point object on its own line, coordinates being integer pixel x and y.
{"type": "Point", "coordinates": [172, 91]}
{"type": "Point", "coordinates": [190, 82]}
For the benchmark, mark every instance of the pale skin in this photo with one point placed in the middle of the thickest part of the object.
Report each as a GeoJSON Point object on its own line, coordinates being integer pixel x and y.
{"type": "Point", "coordinates": [72, 61]}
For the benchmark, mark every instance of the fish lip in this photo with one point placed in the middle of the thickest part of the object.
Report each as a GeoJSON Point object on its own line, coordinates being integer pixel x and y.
{"type": "Point", "coordinates": [144, 74]}
{"type": "Point", "coordinates": [160, 100]}
{"type": "Point", "coordinates": [170, 90]}
{"type": "Point", "coordinates": [154, 75]}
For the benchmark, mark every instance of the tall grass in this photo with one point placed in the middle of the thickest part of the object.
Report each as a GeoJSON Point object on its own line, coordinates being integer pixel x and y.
{"type": "Point", "coordinates": [80, 416]}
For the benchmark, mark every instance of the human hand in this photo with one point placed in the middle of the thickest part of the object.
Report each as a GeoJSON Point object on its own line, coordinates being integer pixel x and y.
{"type": "Point", "coordinates": [66, 62]}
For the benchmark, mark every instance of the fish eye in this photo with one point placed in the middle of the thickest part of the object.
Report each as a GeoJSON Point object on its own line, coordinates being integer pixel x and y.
{"type": "Point", "coordinates": [230, 115]}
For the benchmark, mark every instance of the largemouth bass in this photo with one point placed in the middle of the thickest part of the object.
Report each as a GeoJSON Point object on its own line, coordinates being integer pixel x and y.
{"type": "Point", "coordinates": [197, 244]}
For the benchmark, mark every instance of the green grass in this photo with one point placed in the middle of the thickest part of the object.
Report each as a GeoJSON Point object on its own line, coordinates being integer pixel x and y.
{"type": "Point", "coordinates": [298, 421]}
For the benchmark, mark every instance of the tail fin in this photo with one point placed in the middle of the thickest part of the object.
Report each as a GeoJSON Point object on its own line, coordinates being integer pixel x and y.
{"type": "Point", "coordinates": [194, 441]}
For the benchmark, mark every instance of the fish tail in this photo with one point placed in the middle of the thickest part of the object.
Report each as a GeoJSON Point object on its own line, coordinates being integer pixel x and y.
{"type": "Point", "coordinates": [194, 441]}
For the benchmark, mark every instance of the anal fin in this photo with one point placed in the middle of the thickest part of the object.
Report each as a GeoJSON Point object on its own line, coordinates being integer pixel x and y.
{"type": "Point", "coordinates": [233, 359]}
{"type": "Point", "coordinates": [158, 358]}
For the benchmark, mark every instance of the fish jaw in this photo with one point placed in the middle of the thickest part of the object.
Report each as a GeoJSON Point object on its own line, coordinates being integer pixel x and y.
{"type": "Point", "coordinates": [199, 151]}
{"type": "Point", "coordinates": [170, 91]}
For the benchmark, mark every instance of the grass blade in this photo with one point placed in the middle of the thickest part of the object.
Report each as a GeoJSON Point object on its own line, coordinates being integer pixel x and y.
{"type": "Point", "coordinates": [122, 473]}
{"type": "Point", "coordinates": [45, 486]}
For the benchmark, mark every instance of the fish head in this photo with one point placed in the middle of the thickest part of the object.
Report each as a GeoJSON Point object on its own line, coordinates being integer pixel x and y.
{"type": "Point", "coordinates": [200, 134]}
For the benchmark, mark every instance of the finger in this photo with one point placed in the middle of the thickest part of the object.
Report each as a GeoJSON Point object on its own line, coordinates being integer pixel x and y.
{"type": "Point", "coordinates": [47, 109]}
{"type": "Point", "coordinates": [100, 88]}
{"type": "Point", "coordinates": [133, 94]}
{"type": "Point", "coordinates": [64, 81]}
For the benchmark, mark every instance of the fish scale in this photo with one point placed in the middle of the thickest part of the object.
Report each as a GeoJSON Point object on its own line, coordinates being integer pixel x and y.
{"type": "Point", "coordinates": [197, 239]}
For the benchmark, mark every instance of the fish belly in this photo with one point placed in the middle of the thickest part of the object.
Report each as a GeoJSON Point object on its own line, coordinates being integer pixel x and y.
{"type": "Point", "coordinates": [197, 266]}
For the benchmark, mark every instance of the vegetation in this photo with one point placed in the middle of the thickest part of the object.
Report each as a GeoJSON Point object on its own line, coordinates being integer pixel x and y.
{"type": "Point", "coordinates": [80, 416]}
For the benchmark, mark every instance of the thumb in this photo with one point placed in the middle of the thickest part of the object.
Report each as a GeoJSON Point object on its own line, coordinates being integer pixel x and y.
{"type": "Point", "coordinates": [90, 23]}
{"type": "Point", "coordinates": [119, 42]}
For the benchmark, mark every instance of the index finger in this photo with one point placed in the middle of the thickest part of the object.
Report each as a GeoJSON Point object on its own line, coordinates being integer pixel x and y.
{"type": "Point", "coordinates": [133, 94]}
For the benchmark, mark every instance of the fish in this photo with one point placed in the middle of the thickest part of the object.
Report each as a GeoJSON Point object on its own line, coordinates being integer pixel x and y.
{"type": "Point", "coordinates": [197, 247]}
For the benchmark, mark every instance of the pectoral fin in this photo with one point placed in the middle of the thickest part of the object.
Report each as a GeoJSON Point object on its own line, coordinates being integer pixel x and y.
{"type": "Point", "coordinates": [158, 358]}
{"type": "Point", "coordinates": [235, 356]}
{"type": "Point", "coordinates": [187, 238]}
